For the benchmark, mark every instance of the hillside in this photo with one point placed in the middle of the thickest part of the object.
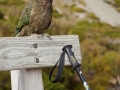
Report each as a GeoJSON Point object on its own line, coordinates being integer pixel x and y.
{"type": "Point", "coordinates": [99, 40]}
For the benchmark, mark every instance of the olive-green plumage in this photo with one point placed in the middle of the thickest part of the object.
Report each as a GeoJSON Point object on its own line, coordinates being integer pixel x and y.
{"type": "Point", "coordinates": [35, 18]}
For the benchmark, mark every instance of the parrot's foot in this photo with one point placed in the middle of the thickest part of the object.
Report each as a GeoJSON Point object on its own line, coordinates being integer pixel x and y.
{"type": "Point", "coordinates": [46, 35]}
{"type": "Point", "coordinates": [41, 35]}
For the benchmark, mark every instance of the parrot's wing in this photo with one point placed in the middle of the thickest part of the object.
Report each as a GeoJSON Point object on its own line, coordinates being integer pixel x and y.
{"type": "Point", "coordinates": [24, 18]}
{"type": "Point", "coordinates": [48, 25]}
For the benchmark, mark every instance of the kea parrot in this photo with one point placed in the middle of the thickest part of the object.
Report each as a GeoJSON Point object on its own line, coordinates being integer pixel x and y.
{"type": "Point", "coordinates": [35, 18]}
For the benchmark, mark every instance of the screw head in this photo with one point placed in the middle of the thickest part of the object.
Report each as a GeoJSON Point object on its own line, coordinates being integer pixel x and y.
{"type": "Point", "coordinates": [35, 45]}
{"type": "Point", "coordinates": [37, 60]}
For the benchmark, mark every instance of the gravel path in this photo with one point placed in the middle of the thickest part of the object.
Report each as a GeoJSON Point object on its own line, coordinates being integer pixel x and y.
{"type": "Point", "coordinates": [105, 12]}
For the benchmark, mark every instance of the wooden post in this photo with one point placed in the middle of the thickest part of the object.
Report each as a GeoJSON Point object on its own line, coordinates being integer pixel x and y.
{"type": "Point", "coordinates": [27, 79]}
{"type": "Point", "coordinates": [22, 55]}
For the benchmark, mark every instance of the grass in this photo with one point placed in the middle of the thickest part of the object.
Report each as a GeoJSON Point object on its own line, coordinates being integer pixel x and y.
{"type": "Point", "coordinates": [95, 30]}
{"type": "Point", "coordinates": [92, 16]}
{"type": "Point", "coordinates": [11, 2]}
{"type": "Point", "coordinates": [73, 8]}
{"type": "Point", "coordinates": [56, 14]}
{"type": "Point", "coordinates": [117, 2]}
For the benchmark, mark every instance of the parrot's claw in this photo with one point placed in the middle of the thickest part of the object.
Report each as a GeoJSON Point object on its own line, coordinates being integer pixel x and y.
{"type": "Point", "coordinates": [46, 35]}
{"type": "Point", "coordinates": [42, 36]}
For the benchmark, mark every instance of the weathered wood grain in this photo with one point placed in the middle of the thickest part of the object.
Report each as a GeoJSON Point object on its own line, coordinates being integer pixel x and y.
{"type": "Point", "coordinates": [19, 52]}
{"type": "Point", "coordinates": [27, 79]}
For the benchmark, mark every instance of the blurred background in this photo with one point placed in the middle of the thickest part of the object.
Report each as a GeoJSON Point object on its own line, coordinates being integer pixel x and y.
{"type": "Point", "coordinates": [96, 22]}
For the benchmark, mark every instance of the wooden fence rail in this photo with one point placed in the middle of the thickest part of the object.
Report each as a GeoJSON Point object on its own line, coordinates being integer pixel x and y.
{"type": "Point", "coordinates": [23, 55]}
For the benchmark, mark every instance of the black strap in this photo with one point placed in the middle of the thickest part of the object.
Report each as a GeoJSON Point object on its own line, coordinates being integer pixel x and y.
{"type": "Point", "coordinates": [60, 68]}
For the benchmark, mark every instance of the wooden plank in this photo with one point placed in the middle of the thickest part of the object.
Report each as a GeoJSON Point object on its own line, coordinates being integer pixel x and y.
{"type": "Point", "coordinates": [19, 52]}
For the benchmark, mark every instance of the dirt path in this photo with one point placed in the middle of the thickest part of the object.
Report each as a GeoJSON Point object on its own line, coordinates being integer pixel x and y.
{"type": "Point", "coordinates": [105, 12]}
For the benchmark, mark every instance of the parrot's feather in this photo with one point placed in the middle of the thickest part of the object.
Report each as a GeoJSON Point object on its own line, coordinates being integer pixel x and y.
{"type": "Point", "coordinates": [48, 25]}
{"type": "Point", "coordinates": [25, 16]}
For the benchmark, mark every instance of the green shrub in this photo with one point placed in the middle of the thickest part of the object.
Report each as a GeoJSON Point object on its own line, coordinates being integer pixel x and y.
{"type": "Point", "coordinates": [117, 2]}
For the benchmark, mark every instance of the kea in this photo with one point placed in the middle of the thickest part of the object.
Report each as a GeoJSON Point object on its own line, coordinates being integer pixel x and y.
{"type": "Point", "coordinates": [35, 18]}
